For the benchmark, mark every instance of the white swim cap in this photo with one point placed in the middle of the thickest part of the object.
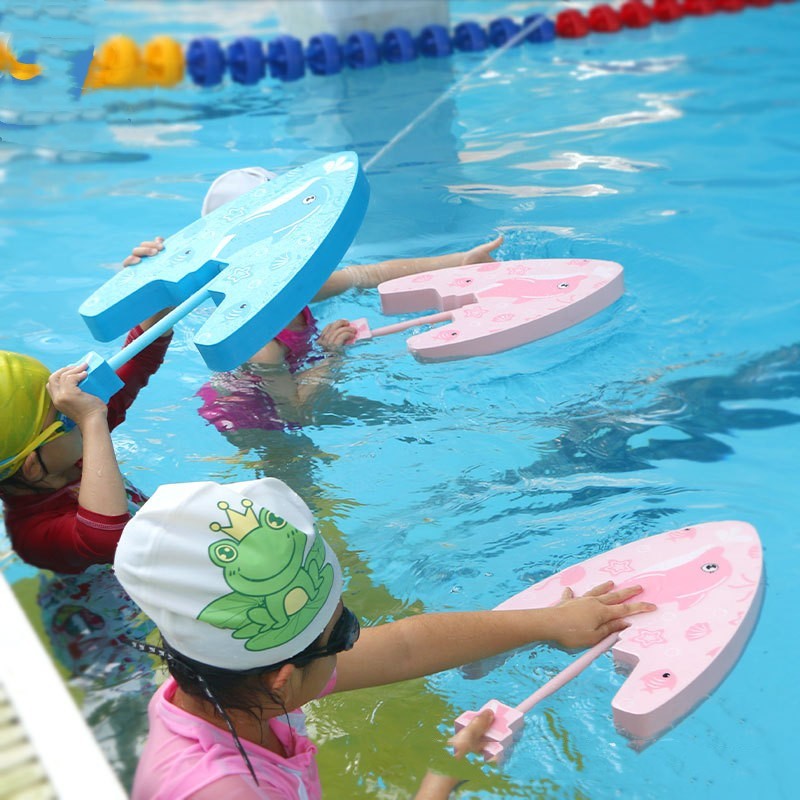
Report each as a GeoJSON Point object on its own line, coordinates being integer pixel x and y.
{"type": "Point", "coordinates": [232, 184]}
{"type": "Point", "coordinates": [234, 575]}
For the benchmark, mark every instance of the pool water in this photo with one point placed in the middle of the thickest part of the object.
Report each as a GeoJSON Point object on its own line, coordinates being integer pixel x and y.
{"type": "Point", "coordinates": [671, 150]}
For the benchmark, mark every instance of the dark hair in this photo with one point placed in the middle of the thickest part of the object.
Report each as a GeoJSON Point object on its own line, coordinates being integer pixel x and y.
{"type": "Point", "coordinates": [237, 689]}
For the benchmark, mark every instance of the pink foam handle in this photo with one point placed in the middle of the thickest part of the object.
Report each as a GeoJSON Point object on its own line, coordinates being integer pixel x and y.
{"type": "Point", "coordinates": [506, 723]}
{"type": "Point", "coordinates": [567, 674]}
{"type": "Point", "coordinates": [363, 331]}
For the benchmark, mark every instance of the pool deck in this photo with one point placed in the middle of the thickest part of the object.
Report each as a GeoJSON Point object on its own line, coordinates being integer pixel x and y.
{"type": "Point", "coordinates": [46, 748]}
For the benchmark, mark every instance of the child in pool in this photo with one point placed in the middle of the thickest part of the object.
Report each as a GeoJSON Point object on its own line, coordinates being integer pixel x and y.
{"type": "Point", "coordinates": [64, 498]}
{"type": "Point", "coordinates": [248, 599]}
{"type": "Point", "coordinates": [270, 392]}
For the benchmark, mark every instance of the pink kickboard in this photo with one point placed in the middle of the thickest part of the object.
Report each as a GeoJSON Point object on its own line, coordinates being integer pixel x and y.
{"type": "Point", "coordinates": [502, 304]}
{"type": "Point", "coordinates": [707, 581]}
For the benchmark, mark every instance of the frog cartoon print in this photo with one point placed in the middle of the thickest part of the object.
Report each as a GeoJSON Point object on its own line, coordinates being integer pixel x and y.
{"type": "Point", "coordinates": [277, 588]}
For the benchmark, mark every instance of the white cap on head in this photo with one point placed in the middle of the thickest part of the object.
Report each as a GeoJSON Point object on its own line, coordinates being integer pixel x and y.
{"type": "Point", "coordinates": [234, 576]}
{"type": "Point", "coordinates": [232, 184]}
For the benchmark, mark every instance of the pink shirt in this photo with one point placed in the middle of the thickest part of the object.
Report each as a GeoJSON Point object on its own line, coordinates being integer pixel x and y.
{"type": "Point", "coordinates": [187, 758]}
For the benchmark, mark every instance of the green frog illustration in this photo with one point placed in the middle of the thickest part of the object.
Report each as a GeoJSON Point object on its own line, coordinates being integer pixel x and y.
{"type": "Point", "coordinates": [277, 588]}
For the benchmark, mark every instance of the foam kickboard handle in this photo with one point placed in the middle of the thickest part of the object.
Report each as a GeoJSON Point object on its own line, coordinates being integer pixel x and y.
{"type": "Point", "coordinates": [260, 257]}
{"type": "Point", "coordinates": [501, 304]}
{"type": "Point", "coordinates": [507, 723]}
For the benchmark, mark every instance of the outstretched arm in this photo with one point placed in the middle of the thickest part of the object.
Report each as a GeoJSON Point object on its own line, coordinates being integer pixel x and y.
{"type": "Point", "coordinates": [368, 276]}
{"type": "Point", "coordinates": [429, 643]}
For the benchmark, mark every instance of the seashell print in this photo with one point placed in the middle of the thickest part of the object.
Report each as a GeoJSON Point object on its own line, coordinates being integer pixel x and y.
{"type": "Point", "coordinates": [698, 631]}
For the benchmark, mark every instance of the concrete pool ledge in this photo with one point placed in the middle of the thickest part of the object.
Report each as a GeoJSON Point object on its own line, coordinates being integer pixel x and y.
{"type": "Point", "coordinates": [46, 748]}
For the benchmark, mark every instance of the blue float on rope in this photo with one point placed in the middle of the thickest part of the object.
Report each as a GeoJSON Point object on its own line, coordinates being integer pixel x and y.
{"type": "Point", "coordinates": [544, 32]}
{"type": "Point", "coordinates": [361, 50]}
{"type": "Point", "coordinates": [434, 41]}
{"type": "Point", "coordinates": [286, 60]}
{"type": "Point", "coordinates": [205, 61]}
{"type": "Point", "coordinates": [470, 37]}
{"type": "Point", "coordinates": [247, 63]}
{"type": "Point", "coordinates": [398, 46]}
{"type": "Point", "coordinates": [324, 55]}
{"type": "Point", "coordinates": [502, 30]}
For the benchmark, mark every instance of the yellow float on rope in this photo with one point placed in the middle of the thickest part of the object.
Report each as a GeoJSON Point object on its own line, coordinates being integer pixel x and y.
{"type": "Point", "coordinates": [116, 64]}
{"type": "Point", "coordinates": [16, 69]}
{"type": "Point", "coordinates": [163, 62]}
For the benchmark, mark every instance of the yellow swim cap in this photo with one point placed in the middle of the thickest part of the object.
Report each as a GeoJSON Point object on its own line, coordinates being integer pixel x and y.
{"type": "Point", "coordinates": [24, 404]}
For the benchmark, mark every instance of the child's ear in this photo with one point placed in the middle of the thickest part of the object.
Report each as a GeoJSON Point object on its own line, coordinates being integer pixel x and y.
{"type": "Point", "coordinates": [279, 680]}
{"type": "Point", "coordinates": [31, 470]}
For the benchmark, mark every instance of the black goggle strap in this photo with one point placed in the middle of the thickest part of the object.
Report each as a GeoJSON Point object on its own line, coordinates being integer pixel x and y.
{"type": "Point", "coordinates": [152, 650]}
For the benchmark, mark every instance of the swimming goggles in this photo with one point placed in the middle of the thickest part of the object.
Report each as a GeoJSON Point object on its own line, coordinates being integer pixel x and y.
{"type": "Point", "coordinates": [344, 635]}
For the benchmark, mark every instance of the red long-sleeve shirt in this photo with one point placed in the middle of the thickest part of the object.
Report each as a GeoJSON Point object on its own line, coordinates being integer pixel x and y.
{"type": "Point", "coordinates": [54, 531]}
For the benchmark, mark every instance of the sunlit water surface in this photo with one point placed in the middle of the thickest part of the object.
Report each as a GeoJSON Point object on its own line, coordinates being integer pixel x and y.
{"type": "Point", "coordinates": [672, 150]}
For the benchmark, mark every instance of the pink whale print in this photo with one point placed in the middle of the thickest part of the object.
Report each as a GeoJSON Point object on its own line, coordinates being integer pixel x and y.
{"type": "Point", "coordinates": [493, 307]}
{"type": "Point", "coordinates": [687, 583]}
{"type": "Point", "coordinates": [523, 289]}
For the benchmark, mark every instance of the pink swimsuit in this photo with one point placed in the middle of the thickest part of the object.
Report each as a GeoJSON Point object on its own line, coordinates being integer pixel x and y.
{"type": "Point", "coordinates": [187, 758]}
{"type": "Point", "coordinates": [237, 400]}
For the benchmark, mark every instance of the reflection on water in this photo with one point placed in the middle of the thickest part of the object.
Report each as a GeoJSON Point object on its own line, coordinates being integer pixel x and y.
{"type": "Point", "coordinates": [85, 618]}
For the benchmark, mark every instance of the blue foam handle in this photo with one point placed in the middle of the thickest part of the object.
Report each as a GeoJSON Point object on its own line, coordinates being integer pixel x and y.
{"type": "Point", "coordinates": [101, 381]}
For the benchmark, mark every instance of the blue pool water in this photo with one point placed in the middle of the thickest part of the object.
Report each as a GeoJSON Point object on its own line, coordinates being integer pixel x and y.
{"type": "Point", "coordinates": [672, 150]}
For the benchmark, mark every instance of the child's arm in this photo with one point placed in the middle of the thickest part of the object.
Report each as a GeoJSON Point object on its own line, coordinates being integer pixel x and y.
{"type": "Point", "coordinates": [368, 276]}
{"type": "Point", "coordinates": [428, 643]}
{"type": "Point", "coordinates": [102, 490]}
{"type": "Point", "coordinates": [148, 248]}
{"type": "Point", "coordinates": [436, 786]}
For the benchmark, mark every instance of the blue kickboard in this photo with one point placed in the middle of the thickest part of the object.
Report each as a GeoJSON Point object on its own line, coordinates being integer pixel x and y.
{"type": "Point", "coordinates": [260, 257]}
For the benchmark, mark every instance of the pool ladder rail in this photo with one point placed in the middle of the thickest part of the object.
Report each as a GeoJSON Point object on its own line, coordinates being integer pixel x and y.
{"type": "Point", "coordinates": [46, 748]}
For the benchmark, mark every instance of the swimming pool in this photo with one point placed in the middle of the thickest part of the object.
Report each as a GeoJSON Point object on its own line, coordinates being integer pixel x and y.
{"type": "Point", "coordinates": [671, 150]}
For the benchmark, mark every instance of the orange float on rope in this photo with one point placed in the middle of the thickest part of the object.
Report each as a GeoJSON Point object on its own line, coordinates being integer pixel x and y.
{"type": "Point", "coordinates": [117, 64]}
{"type": "Point", "coordinates": [163, 62]}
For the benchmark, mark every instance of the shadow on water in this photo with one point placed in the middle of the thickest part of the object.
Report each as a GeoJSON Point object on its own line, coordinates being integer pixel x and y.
{"type": "Point", "coordinates": [687, 421]}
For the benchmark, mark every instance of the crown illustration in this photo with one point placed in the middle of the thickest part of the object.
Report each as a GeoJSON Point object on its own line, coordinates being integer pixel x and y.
{"type": "Point", "coordinates": [240, 523]}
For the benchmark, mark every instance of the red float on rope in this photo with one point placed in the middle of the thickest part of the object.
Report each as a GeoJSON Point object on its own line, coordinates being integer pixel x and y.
{"type": "Point", "coordinates": [635, 14]}
{"type": "Point", "coordinates": [667, 10]}
{"type": "Point", "coordinates": [731, 6]}
{"type": "Point", "coordinates": [699, 8]}
{"type": "Point", "coordinates": [603, 19]}
{"type": "Point", "coordinates": [571, 24]}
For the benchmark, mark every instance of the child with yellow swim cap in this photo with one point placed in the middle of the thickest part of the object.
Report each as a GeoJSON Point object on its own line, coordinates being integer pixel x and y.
{"type": "Point", "coordinates": [64, 498]}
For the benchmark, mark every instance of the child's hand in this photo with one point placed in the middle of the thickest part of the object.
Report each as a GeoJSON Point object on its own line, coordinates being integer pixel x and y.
{"type": "Point", "coordinates": [482, 254]}
{"type": "Point", "coordinates": [470, 739]}
{"type": "Point", "coordinates": [69, 398]}
{"type": "Point", "coordinates": [143, 250]}
{"type": "Point", "coordinates": [584, 621]}
{"type": "Point", "coordinates": [335, 336]}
